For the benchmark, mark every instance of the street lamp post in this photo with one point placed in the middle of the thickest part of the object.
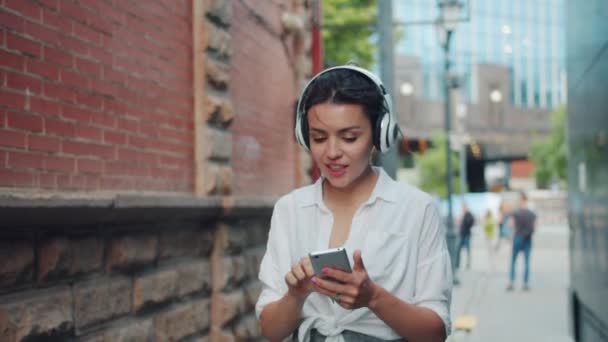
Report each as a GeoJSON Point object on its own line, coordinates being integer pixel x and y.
{"type": "Point", "coordinates": [449, 11]}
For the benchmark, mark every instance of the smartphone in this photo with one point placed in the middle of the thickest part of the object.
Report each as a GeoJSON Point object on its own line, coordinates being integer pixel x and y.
{"type": "Point", "coordinates": [334, 258]}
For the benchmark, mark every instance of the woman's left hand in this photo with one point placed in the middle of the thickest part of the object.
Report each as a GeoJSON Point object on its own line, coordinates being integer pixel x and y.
{"type": "Point", "coordinates": [350, 290]}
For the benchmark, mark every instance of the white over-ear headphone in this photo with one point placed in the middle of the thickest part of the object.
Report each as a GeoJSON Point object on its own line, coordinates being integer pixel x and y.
{"type": "Point", "coordinates": [386, 126]}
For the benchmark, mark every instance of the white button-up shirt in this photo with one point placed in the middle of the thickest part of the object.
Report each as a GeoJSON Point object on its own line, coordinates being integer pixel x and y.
{"type": "Point", "coordinates": [400, 233]}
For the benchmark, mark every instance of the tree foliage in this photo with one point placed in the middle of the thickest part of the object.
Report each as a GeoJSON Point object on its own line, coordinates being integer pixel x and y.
{"type": "Point", "coordinates": [549, 154]}
{"type": "Point", "coordinates": [348, 29]}
{"type": "Point", "coordinates": [433, 168]}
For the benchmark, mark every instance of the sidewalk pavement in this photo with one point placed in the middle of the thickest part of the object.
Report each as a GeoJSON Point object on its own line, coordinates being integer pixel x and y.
{"type": "Point", "coordinates": [538, 315]}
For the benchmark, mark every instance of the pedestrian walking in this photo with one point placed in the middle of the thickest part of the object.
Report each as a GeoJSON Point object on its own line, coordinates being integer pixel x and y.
{"type": "Point", "coordinates": [466, 224]}
{"type": "Point", "coordinates": [489, 229]}
{"type": "Point", "coordinates": [523, 221]}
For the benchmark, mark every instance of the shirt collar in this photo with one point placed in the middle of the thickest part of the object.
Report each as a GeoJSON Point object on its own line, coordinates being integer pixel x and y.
{"type": "Point", "coordinates": [384, 190]}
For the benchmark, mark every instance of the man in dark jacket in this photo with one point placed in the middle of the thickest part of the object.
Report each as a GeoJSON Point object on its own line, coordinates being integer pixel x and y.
{"type": "Point", "coordinates": [524, 221]}
{"type": "Point", "coordinates": [466, 223]}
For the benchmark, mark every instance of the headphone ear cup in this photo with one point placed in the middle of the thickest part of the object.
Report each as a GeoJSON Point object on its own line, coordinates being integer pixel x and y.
{"type": "Point", "coordinates": [304, 132]}
{"type": "Point", "coordinates": [377, 134]}
{"type": "Point", "coordinates": [382, 130]}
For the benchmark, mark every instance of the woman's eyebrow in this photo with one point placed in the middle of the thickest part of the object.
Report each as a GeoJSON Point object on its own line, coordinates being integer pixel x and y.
{"type": "Point", "coordinates": [340, 131]}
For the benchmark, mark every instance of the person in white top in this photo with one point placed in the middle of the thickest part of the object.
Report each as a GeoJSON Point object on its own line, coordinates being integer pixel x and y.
{"type": "Point", "coordinates": [401, 280]}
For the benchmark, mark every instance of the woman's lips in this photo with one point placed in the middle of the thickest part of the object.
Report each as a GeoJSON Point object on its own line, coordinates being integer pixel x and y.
{"type": "Point", "coordinates": [336, 170]}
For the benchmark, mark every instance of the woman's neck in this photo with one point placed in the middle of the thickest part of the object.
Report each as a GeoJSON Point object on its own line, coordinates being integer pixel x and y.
{"type": "Point", "coordinates": [354, 194]}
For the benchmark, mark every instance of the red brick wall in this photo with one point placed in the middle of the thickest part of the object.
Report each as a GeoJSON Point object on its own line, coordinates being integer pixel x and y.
{"type": "Point", "coordinates": [263, 93]}
{"type": "Point", "coordinates": [96, 95]}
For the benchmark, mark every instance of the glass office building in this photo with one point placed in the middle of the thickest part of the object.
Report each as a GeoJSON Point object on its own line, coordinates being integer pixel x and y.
{"type": "Point", "coordinates": [527, 36]}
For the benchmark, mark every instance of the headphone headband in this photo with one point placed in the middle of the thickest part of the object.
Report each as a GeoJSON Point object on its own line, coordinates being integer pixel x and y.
{"type": "Point", "coordinates": [388, 125]}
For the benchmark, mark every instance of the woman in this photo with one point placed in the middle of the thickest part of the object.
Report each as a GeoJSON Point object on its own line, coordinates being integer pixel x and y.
{"type": "Point", "coordinates": [489, 228]}
{"type": "Point", "coordinates": [400, 285]}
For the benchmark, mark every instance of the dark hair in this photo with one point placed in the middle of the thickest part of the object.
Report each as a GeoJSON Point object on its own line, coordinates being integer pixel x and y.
{"type": "Point", "coordinates": [344, 86]}
{"type": "Point", "coordinates": [523, 195]}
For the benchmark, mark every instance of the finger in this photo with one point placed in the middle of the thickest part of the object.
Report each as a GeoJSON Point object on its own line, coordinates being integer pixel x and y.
{"type": "Point", "coordinates": [291, 280]}
{"type": "Point", "coordinates": [330, 286]}
{"type": "Point", "coordinates": [307, 265]}
{"type": "Point", "coordinates": [338, 275]}
{"type": "Point", "coordinates": [358, 261]}
{"type": "Point", "coordinates": [298, 272]}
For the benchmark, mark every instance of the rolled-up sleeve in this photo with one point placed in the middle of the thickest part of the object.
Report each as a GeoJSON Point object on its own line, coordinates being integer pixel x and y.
{"type": "Point", "coordinates": [276, 258]}
{"type": "Point", "coordinates": [434, 269]}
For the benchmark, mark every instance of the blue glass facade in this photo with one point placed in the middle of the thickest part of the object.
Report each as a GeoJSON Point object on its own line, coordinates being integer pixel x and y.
{"type": "Point", "coordinates": [527, 36]}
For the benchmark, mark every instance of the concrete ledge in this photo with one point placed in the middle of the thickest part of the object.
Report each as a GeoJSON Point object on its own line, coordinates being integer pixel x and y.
{"type": "Point", "coordinates": [25, 209]}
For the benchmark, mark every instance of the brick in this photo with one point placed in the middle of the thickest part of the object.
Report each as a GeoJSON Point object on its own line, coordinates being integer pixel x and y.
{"type": "Point", "coordinates": [12, 100]}
{"type": "Point", "coordinates": [232, 271]}
{"type": "Point", "coordinates": [41, 33]}
{"type": "Point", "coordinates": [29, 9]}
{"type": "Point", "coordinates": [218, 74]}
{"type": "Point", "coordinates": [226, 307]}
{"type": "Point", "coordinates": [47, 181]}
{"type": "Point", "coordinates": [31, 123]}
{"type": "Point", "coordinates": [74, 11]}
{"type": "Point", "coordinates": [24, 160]}
{"type": "Point", "coordinates": [75, 80]}
{"type": "Point", "coordinates": [45, 107]}
{"type": "Point", "coordinates": [11, 60]}
{"type": "Point", "coordinates": [55, 20]}
{"type": "Point", "coordinates": [136, 331]}
{"type": "Point", "coordinates": [55, 163]}
{"type": "Point", "coordinates": [220, 40]}
{"type": "Point", "coordinates": [182, 321]}
{"type": "Point", "coordinates": [79, 114]}
{"type": "Point", "coordinates": [247, 329]}
{"type": "Point", "coordinates": [153, 288]}
{"type": "Point", "coordinates": [221, 335]}
{"type": "Point", "coordinates": [99, 300]}
{"type": "Point", "coordinates": [89, 166]}
{"type": "Point", "coordinates": [59, 128]}
{"type": "Point", "coordinates": [114, 138]}
{"type": "Point", "coordinates": [89, 100]}
{"type": "Point", "coordinates": [252, 293]}
{"type": "Point", "coordinates": [43, 143]}
{"type": "Point", "coordinates": [219, 144]}
{"type": "Point", "coordinates": [131, 251]}
{"type": "Point", "coordinates": [103, 119]}
{"type": "Point", "coordinates": [20, 269]}
{"type": "Point", "coordinates": [87, 67]}
{"type": "Point", "coordinates": [179, 243]}
{"type": "Point", "coordinates": [23, 82]}
{"type": "Point", "coordinates": [58, 57]}
{"type": "Point", "coordinates": [42, 69]}
{"type": "Point", "coordinates": [86, 149]}
{"type": "Point", "coordinates": [25, 46]}
{"type": "Point", "coordinates": [54, 258]}
{"type": "Point", "coordinates": [86, 33]}
{"type": "Point", "coordinates": [11, 21]}
{"type": "Point", "coordinates": [193, 276]}
{"type": "Point", "coordinates": [12, 139]}
{"type": "Point", "coordinates": [17, 178]}
{"type": "Point", "coordinates": [87, 255]}
{"type": "Point", "coordinates": [253, 259]}
{"type": "Point", "coordinates": [58, 91]}
{"type": "Point", "coordinates": [220, 10]}
{"type": "Point", "coordinates": [37, 315]}
{"type": "Point", "coordinates": [86, 132]}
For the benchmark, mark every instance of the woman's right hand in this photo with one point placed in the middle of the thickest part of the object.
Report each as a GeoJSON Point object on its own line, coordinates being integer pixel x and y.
{"type": "Point", "coordinates": [299, 278]}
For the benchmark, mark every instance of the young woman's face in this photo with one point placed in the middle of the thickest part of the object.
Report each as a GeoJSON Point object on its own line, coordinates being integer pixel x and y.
{"type": "Point", "coordinates": [340, 141]}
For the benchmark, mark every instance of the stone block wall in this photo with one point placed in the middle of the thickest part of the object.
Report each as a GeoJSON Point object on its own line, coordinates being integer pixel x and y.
{"type": "Point", "coordinates": [186, 277]}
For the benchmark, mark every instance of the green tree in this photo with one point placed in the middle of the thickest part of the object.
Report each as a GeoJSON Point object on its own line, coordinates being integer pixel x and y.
{"type": "Point", "coordinates": [348, 26]}
{"type": "Point", "coordinates": [549, 154]}
{"type": "Point", "coordinates": [433, 168]}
